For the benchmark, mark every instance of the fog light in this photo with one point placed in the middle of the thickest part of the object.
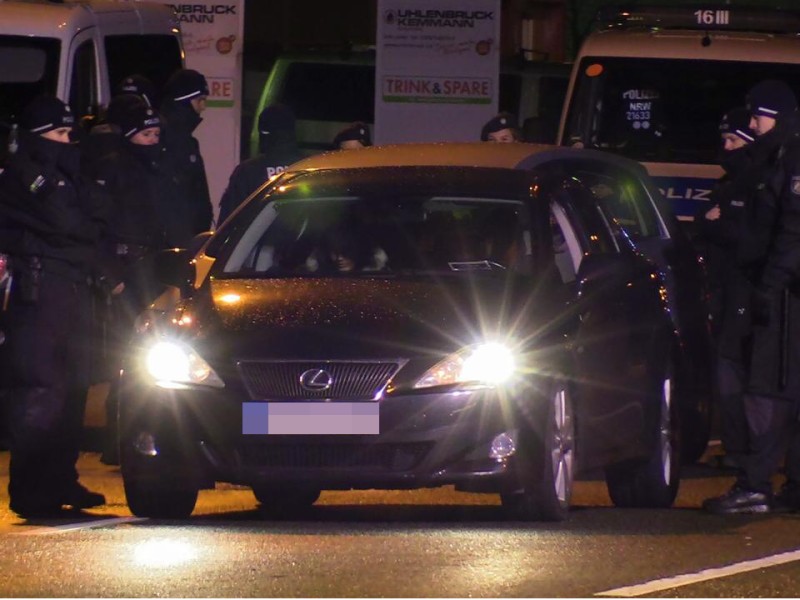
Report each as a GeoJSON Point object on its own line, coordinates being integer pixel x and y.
{"type": "Point", "coordinates": [146, 444]}
{"type": "Point", "coordinates": [504, 445]}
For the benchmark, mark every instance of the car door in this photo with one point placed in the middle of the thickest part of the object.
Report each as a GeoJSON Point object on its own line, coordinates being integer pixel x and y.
{"type": "Point", "coordinates": [616, 297]}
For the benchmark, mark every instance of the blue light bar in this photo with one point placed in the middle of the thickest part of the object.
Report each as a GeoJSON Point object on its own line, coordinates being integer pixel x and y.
{"type": "Point", "coordinates": [702, 18]}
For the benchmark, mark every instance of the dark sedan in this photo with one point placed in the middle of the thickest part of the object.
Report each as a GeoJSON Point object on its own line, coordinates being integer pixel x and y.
{"type": "Point", "coordinates": [498, 317]}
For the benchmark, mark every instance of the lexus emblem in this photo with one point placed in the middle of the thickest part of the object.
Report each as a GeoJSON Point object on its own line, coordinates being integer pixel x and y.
{"type": "Point", "coordinates": [316, 380]}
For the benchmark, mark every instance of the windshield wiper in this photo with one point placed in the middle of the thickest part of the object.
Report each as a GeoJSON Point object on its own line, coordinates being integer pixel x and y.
{"type": "Point", "coordinates": [476, 265]}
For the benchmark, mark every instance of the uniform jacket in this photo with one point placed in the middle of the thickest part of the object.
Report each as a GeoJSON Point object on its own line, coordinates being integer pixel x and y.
{"type": "Point", "coordinates": [189, 211]}
{"type": "Point", "coordinates": [48, 210]}
{"type": "Point", "coordinates": [251, 173]}
{"type": "Point", "coordinates": [775, 364]}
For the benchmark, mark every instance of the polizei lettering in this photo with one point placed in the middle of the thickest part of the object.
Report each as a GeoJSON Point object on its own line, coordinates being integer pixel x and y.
{"type": "Point", "coordinates": [442, 18]}
{"type": "Point", "coordinates": [200, 13]}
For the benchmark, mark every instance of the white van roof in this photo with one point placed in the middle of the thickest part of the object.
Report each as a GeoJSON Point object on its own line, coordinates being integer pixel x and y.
{"type": "Point", "coordinates": [43, 18]}
{"type": "Point", "coordinates": [688, 44]}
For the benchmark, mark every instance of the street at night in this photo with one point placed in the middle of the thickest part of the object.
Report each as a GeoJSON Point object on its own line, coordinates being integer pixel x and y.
{"type": "Point", "coordinates": [436, 543]}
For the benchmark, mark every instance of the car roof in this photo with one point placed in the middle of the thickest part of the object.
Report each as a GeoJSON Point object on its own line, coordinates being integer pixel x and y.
{"type": "Point", "coordinates": [456, 154]}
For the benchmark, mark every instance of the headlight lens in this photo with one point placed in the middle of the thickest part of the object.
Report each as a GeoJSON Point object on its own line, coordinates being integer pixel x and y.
{"type": "Point", "coordinates": [490, 364]}
{"type": "Point", "coordinates": [174, 365]}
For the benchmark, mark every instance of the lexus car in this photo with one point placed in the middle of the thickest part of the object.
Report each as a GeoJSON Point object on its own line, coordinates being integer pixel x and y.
{"type": "Point", "coordinates": [502, 318]}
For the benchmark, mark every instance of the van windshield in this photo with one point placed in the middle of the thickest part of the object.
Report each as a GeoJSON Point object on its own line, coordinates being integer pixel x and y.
{"type": "Point", "coordinates": [28, 67]}
{"type": "Point", "coordinates": [662, 110]}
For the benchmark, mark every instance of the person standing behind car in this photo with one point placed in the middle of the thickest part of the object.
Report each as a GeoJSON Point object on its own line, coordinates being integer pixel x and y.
{"type": "Point", "coordinates": [138, 190]}
{"type": "Point", "coordinates": [773, 387]}
{"type": "Point", "coordinates": [354, 136]}
{"type": "Point", "coordinates": [189, 211]}
{"type": "Point", "coordinates": [277, 143]}
{"type": "Point", "coordinates": [54, 227]}
{"type": "Point", "coordinates": [501, 128]}
{"type": "Point", "coordinates": [722, 230]}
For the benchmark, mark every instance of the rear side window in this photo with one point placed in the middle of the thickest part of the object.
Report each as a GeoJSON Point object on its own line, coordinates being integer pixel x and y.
{"type": "Point", "coordinates": [330, 92]}
{"type": "Point", "coordinates": [154, 56]}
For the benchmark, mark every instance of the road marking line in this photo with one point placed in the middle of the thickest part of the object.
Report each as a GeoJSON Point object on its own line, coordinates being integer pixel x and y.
{"type": "Point", "coordinates": [659, 585]}
{"type": "Point", "coordinates": [83, 525]}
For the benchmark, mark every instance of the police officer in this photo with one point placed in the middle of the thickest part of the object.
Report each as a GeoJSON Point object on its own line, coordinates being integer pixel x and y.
{"type": "Point", "coordinates": [773, 388]}
{"type": "Point", "coordinates": [138, 85]}
{"type": "Point", "coordinates": [722, 230]}
{"type": "Point", "coordinates": [354, 136]}
{"type": "Point", "coordinates": [54, 226]}
{"type": "Point", "coordinates": [138, 190]}
{"type": "Point", "coordinates": [190, 211]}
{"type": "Point", "coordinates": [277, 143]}
{"type": "Point", "coordinates": [501, 128]}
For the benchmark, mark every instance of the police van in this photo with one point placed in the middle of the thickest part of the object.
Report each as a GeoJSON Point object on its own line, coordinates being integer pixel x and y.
{"type": "Point", "coordinates": [652, 83]}
{"type": "Point", "coordinates": [80, 50]}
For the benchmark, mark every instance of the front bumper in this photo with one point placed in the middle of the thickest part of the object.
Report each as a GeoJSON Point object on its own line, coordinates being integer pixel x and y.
{"type": "Point", "coordinates": [195, 438]}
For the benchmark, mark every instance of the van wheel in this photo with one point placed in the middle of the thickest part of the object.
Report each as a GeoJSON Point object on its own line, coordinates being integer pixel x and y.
{"type": "Point", "coordinates": [654, 483]}
{"type": "Point", "coordinates": [546, 464]}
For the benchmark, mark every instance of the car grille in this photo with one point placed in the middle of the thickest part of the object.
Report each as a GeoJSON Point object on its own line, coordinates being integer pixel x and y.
{"type": "Point", "coordinates": [350, 380]}
{"type": "Point", "coordinates": [393, 457]}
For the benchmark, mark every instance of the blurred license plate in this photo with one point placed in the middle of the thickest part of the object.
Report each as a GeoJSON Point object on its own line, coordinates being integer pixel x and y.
{"type": "Point", "coordinates": [310, 418]}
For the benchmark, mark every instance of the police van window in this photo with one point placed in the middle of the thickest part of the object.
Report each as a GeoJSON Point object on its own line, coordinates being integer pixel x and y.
{"type": "Point", "coordinates": [661, 110]}
{"type": "Point", "coordinates": [83, 85]}
{"type": "Point", "coordinates": [348, 91]}
{"type": "Point", "coordinates": [154, 56]}
{"type": "Point", "coordinates": [28, 67]}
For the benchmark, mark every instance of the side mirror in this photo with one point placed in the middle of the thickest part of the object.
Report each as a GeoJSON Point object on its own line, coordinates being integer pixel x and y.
{"type": "Point", "coordinates": [198, 242]}
{"type": "Point", "coordinates": [174, 268]}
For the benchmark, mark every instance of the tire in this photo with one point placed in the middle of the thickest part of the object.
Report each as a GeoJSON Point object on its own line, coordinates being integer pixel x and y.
{"type": "Point", "coordinates": [546, 464]}
{"type": "Point", "coordinates": [652, 483]}
{"type": "Point", "coordinates": [285, 502]}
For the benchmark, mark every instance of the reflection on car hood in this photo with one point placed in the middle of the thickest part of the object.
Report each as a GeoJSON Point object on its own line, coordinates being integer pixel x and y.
{"type": "Point", "coordinates": [302, 316]}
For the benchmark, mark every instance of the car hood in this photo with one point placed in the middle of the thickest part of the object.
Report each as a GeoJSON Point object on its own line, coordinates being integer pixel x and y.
{"type": "Point", "coordinates": [341, 317]}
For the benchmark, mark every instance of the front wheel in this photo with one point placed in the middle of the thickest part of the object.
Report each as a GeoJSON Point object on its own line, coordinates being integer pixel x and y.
{"type": "Point", "coordinates": [653, 483]}
{"type": "Point", "coordinates": [546, 464]}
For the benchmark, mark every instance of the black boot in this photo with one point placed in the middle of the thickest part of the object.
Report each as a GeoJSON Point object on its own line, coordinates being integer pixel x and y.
{"type": "Point", "coordinates": [738, 501]}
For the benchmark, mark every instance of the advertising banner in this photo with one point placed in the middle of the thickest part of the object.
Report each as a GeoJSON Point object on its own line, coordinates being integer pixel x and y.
{"type": "Point", "coordinates": [437, 69]}
{"type": "Point", "coordinates": [213, 37]}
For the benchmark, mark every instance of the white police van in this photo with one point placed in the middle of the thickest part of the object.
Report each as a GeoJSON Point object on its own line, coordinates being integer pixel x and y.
{"type": "Point", "coordinates": [652, 83]}
{"type": "Point", "coordinates": [80, 50]}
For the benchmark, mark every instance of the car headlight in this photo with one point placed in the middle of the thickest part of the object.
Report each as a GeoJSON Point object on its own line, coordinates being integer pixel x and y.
{"type": "Point", "coordinates": [489, 364]}
{"type": "Point", "coordinates": [177, 366]}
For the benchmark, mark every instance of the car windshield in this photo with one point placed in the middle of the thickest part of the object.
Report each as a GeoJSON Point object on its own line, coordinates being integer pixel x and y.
{"type": "Point", "coordinates": [320, 235]}
{"type": "Point", "coordinates": [663, 110]}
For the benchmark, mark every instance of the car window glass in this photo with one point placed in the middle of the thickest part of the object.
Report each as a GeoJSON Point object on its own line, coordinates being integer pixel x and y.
{"type": "Point", "coordinates": [352, 235]}
{"type": "Point", "coordinates": [566, 247]}
{"type": "Point", "coordinates": [625, 202]}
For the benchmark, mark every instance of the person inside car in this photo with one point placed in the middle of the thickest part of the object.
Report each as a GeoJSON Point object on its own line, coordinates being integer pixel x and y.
{"type": "Point", "coordinates": [501, 128]}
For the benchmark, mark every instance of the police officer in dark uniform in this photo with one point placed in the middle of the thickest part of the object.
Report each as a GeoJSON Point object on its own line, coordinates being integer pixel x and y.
{"type": "Point", "coordinates": [141, 86]}
{"type": "Point", "coordinates": [277, 143]}
{"type": "Point", "coordinates": [773, 388]}
{"type": "Point", "coordinates": [354, 136]}
{"type": "Point", "coordinates": [501, 128]}
{"type": "Point", "coordinates": [722, 231]}
{"type": "Point", "coordinates": [190, 211]}
{"type": "Point", "coordinates": [54, 225]}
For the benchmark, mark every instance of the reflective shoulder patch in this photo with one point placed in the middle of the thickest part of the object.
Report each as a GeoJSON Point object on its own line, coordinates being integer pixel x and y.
{"type": "Point", "coordinates": [796, 185]}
